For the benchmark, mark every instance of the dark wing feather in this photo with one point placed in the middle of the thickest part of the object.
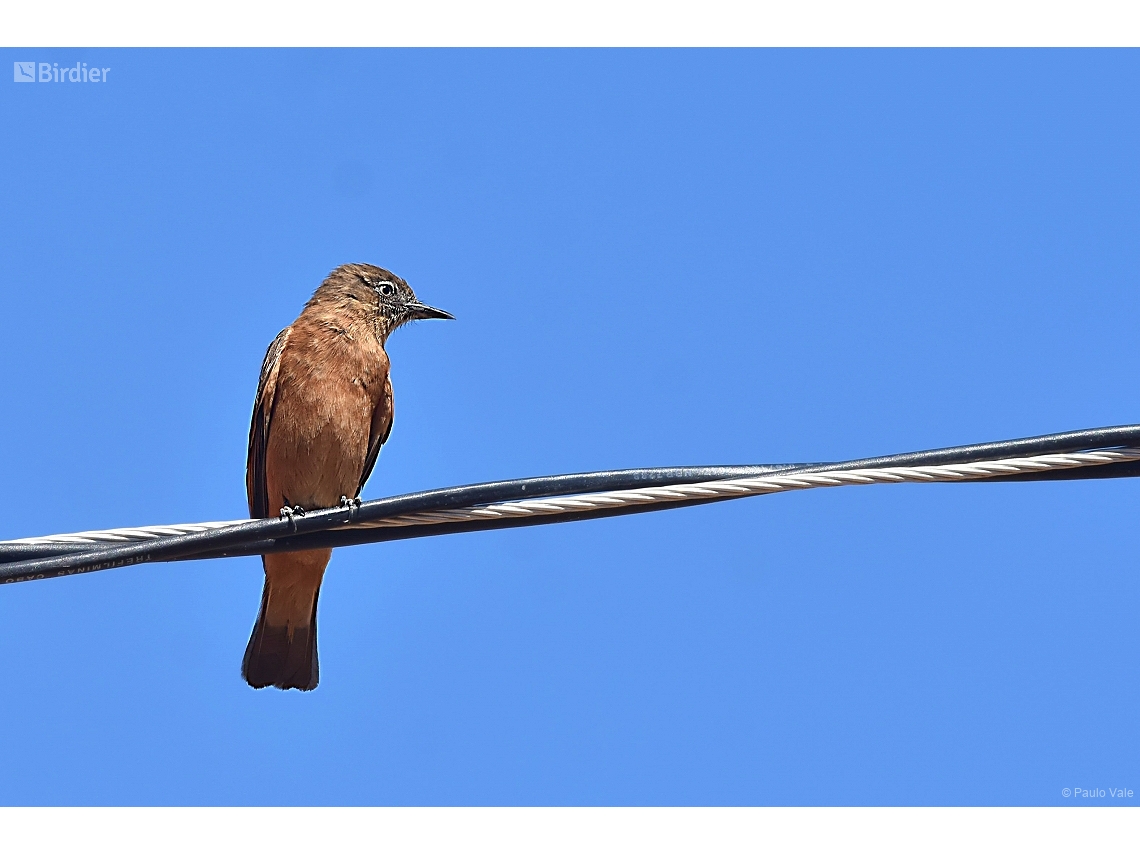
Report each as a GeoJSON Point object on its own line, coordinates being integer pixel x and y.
{"type": "Point", "coordinates": [255, 487]}
{"type": "Point", "coordinates": [379, 432]}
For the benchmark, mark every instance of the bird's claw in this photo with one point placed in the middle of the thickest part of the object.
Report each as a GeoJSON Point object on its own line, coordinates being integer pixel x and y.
{"type": "Point", "coordinates": [351, 504]}
{"type": "Point", "coordinates": [291, 513]}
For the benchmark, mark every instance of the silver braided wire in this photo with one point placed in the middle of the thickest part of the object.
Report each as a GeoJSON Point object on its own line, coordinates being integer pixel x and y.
{"type": "Point", "coordinates": [742, 487]}
{"type": "Point", "coordinates": [122, 535]}
{"type": "Point", "coordinates": [729, 488]}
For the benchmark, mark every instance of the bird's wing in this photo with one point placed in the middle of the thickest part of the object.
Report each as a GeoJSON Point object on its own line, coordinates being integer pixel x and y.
{"type": "Point", "coordinates": [379, 432]}
{"type": "Point", "coordinates": [263, 404]}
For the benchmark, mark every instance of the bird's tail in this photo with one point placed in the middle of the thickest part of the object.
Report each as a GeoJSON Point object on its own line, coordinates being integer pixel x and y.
{"type": "Point", "coordinates": [282, 650]}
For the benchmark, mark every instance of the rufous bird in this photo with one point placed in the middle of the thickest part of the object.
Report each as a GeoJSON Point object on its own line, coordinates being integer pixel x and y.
{"type": "Point", "coordinates": [323, 409]}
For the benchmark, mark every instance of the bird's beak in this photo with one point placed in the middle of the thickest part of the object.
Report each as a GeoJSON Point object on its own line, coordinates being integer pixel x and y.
{"type": "Point", "coordinates": [417, 311]}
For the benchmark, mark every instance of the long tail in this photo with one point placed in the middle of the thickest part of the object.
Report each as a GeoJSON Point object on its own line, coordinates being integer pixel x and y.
{"type": "Point", "coordinates": [282, 650]}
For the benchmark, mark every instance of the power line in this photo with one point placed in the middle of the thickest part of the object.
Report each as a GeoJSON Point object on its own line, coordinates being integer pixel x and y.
{"type": "Point", "coordinates": [1093, 453]}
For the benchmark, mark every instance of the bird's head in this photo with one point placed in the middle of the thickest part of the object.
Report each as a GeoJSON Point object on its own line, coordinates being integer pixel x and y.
{"type": "Point", "coordinates": [382, 292]}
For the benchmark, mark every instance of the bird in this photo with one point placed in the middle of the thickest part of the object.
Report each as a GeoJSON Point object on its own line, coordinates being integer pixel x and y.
{"type": "Point", "coordinates": [323, 409]}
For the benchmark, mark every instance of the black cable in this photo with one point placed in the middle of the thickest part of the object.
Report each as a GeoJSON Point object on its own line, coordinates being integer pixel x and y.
{"type": "Point", "coordinates": [1072, 441]}
{"type": "Point", "coordinates": [19, 562]}
{"type": "Point", "coordinates": [1090, 439]}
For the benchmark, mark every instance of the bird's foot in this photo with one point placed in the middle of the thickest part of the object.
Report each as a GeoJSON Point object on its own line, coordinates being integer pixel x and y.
{"type": "Point", "coordinates": [290, 513]}
{"type": "Point", "coordinates": [352, 504]}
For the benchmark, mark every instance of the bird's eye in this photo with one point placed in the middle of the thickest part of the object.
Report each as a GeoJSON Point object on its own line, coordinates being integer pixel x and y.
{"type": "Point", "coordinates": [386, 289]}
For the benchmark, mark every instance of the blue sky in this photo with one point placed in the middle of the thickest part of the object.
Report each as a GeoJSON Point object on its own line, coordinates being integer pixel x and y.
{"type": "Point", "coordinates": [654, 258]}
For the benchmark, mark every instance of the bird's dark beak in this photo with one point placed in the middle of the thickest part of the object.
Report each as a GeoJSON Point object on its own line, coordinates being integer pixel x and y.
{"type": "Point", "coordinates": [417, 311]}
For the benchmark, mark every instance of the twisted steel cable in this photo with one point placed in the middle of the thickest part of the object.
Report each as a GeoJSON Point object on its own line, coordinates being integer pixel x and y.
{"type": "Point", "coordinates": [1098, 452]}
{"type": "Point", "coordinates": [742, 487]}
